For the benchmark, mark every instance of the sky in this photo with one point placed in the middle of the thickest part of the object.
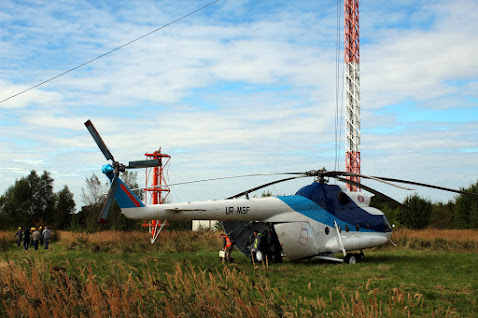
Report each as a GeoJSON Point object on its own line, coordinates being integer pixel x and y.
{"type": "Point", "coordinates": [239, 87]}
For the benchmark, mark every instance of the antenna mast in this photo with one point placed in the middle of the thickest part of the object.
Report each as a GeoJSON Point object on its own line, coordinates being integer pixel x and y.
{"type": "Point", "coordinates": [352, 89]}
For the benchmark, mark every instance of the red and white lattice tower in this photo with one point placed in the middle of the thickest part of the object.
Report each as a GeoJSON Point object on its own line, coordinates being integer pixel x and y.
{"type": "Point", "coordinates": [352, 89]}
{"type": "Point", "coordinates": [156, 189]}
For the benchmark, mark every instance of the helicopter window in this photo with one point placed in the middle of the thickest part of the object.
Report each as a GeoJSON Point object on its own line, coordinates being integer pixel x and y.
{"type": "Point", "coordinates": [387, 224]}
{"type": "Point", "coordinates": [357, 227]}
{"type": "Point", "coordinates": [327, 231]}
{"type": "Point", "coordinates": [347, 228]}
{"type": "Point", "coordinates": [343, 198]}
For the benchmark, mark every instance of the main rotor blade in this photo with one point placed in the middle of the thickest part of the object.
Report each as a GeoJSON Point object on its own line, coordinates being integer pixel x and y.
{"type": "Point", "coordinates": [109, 200]}
{"type": "Point", "coordinates": [333, 174]}
{"type": "Point", "coordinates": [99, 141]}
{"type": "Point", "coordinates": [370, 190]}
{"type": "Point", "coordinates": [263, 186]}
{"type": "Point", "coordinates": [220, 178]}
{"type": "Point", "coordinates": [428, 185]}
{"type": "Point", "coordinates": [144, 164]}
{"type": "Point", "coordinates": [239, 176]}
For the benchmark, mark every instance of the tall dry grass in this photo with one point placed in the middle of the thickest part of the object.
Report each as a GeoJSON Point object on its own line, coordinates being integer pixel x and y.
{"type": "Point", "coordinates": [450, 240]}
{"type": "Point", "coordinates": [189, 241]}
{"type": "Point", "coordinates": [184, 241]}
{"type": "Point", "coordinates": [118, 241]}
{"type": "Point", "coordinates": [45, 291]}
{"type": "Point", "coordinates": [6, 240]}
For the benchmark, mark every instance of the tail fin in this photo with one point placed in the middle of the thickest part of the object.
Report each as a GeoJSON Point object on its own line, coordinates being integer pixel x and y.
{"type": "Point", "coordinates": [126, 198]}
{"type": "Point", "coordinates": [123, 195]}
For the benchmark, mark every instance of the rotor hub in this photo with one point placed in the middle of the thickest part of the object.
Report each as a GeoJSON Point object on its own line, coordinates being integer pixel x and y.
{"type": "Point", "coordinates": [109, 171]}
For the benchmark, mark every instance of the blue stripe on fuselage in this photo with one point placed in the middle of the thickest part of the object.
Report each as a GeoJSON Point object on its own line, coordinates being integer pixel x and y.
{"type": "Point", "coordinates": [314, 211]}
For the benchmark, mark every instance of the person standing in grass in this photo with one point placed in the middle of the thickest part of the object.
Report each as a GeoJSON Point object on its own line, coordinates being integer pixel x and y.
{"type": "Point", "coordinates": [227, 247]}
{"type": "Point", "coordinates": [20, 236]}
{"type": "Point", "coordinates": [36, 237]}
{"type": "Point", "coordinates": [41, 235]}
{"type": "Point", "coordinates": [31, 237]}
{"type": "Point", "coordinates": [26, 238]}
{"type": "Point", "coordinates": [46, 236]}
{"type": "Point", "coordinates": [275, 247]}
{"type": "Point", "coordinates": [256, 245]}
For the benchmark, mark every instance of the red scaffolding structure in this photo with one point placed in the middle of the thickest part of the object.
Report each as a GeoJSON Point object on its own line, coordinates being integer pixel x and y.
{"type": "Point", "coordinates": [156, 189]}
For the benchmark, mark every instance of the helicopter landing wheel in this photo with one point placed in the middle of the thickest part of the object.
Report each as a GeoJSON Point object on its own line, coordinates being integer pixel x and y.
{"type": "Point", "coordinates": [350, 259]}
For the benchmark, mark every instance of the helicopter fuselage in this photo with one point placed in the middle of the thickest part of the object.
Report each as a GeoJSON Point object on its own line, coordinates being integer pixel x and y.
{"type": "Point", "coordinates": [319, 219]}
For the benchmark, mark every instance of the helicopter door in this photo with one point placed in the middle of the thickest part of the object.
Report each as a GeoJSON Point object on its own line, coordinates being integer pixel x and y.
{"type": "Point", "coordinates": [297, 239]}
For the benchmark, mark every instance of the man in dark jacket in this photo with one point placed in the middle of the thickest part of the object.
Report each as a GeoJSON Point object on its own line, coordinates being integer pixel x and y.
{"type": "Point", "coordinates": [258, 246]}
{"type": "Point", "coordinates": [26, 239]}
{"type": "Point", "coordinates": [20, 236]}
{"type": "Point", "coordinates": [275, 247]}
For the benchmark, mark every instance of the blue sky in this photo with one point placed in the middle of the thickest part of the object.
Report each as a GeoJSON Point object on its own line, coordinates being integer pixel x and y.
{"type": "Point", "coordinates": [240, 87]}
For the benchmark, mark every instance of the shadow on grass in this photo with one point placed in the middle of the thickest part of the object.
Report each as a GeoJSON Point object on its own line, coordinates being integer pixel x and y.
{"type": "Point", "coordinates": [376, 257]}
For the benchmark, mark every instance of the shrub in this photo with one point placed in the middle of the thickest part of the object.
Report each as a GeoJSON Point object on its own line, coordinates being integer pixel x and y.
{"type": "Point", "coordinates": [418, 214]}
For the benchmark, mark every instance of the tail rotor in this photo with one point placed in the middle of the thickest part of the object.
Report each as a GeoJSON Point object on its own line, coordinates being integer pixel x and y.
{"type": "Point", "coordinates": [113, 170]}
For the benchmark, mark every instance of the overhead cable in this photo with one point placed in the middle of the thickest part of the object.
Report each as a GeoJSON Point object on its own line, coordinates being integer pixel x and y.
{"type": "Point", "coordinates": [109, 52]}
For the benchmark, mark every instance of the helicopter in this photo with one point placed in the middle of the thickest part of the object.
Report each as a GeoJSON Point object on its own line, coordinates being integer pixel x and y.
{"type": "Point", "coordinates": [319, 221]}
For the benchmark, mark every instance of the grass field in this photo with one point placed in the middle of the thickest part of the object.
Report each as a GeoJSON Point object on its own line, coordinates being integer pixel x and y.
{"type": "Point", "coordinates": [431, 273]}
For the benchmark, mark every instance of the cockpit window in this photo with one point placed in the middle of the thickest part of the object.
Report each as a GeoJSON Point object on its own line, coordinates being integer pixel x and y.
{"type": "Point", "coordinates": [388, 228]}
{"type": "Point", "coordinates": [343, 198]}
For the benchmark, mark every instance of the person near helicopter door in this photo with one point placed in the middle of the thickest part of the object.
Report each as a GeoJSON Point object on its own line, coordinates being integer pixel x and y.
{"type": "Point", "coordinates": [227, 245]}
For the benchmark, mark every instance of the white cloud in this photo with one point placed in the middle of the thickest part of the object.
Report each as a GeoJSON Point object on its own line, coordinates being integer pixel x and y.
{"type": "Point", "coordinates": [236, 88]}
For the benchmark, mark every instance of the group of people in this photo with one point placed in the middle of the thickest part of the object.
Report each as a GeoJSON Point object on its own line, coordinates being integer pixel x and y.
{"type": "Point", "coordinates": [33, 237]}
{"type": "Point", "coordinates": [264, 246]}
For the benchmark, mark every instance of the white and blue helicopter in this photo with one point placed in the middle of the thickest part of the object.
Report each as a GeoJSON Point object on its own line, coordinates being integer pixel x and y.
{"type": "Point", "coordinates": [319, 221]}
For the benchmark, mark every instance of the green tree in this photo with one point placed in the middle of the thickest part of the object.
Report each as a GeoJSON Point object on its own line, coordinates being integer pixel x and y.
{"type": "Point", "coordinates": [64, 208]}
{"type": "Point", "coordinates": [15, 207]}
{"type": "Point", "coordinates": [30, 200]}
{"type": "Point", "coordinates": [94, 195]}
{"type": "Point", "coordinates": [442, 215]}
{"type": "Point", "coordinates": [42, 196]}
{"type": "Point", "coordinates": [94, 192]}
{"type": "Point", "coordinates": [418, 214]}
{"type": "Point", "coordinates": [466, 209]}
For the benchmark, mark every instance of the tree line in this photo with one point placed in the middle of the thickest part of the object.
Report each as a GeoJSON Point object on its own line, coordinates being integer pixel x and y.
{"type": "Point", "coordinates": [421, 213]}
{"type": "Point", "coordinates": [31, 201]}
